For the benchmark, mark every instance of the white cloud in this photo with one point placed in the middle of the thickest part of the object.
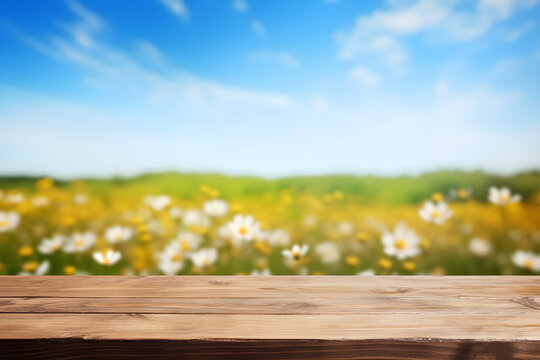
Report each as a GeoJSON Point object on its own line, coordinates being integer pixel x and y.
{"type": "Point", "coordinates": [150, 52]}
{"type": "Point", "coordinates": [394, 52]}
{"type": "Point", "coordinates": [406, 20]}
{"type": "Point", "coordinates": [400, 19]}
{"type": "Point", "coordinates": [283, 58]}
{"type": "Point", "coordinates": [258, 28]}
{"type": "Point", "coordinates": [240, 5]}
{"type": "Point", "coordinates": [88, 24]}
{"type": "Point", "coordinates": [177, 7]}
{"type": "Point", "coordinates": [166, 119]}
{"type": "Point", "coordinates": [364, 76]}
{"type": "Point", "coordinates": [221, 94]}
{"type": "Point", "coordinates": [88, 19]}
{"type": "Point", "coordinates": [111, 68]}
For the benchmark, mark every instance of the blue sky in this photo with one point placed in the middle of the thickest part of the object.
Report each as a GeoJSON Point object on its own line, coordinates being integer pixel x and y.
{"type": "Point", "coordinates": [268, 88]}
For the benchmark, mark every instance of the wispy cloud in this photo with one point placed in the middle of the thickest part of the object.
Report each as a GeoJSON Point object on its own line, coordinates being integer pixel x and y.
{"type": "Point", "coordinates": [240, 5]}
{"type": "Point", "coordinates": [150, 52]}
{"type": "Point", "coordinates": [86, 27]}
{"type": "Point", "coordinates": [88, 19]}
{"type": "Point", "coordinates": [258, 28]}
{"type": "Point", "coordinates": [177, 7]}
{"type": "Point", "coordinates": [111, 67]}
{"type": "Point", "coordinates": [283, 58]}
{"type": "Point", "coordinates": [364, 76]}
{"type": "Point", "coordinates": [382, 31]}
{"type": "Point", "coordinates": [436, 123]}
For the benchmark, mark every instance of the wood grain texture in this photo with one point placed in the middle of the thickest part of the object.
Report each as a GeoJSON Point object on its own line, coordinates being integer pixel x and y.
{"type": "Point", "coordinates": [270, 287]}
{"type": "Point", "coordinates": [268, 349]}
{"type": "Point", "coordinates": [347, 317]}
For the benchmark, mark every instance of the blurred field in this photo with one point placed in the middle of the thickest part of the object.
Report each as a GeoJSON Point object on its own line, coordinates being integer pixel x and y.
{"type": "Point", "coordinates": [342, 219]}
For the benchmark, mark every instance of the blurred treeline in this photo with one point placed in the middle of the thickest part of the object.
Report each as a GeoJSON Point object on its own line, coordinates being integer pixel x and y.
{"type": "Point", "coordinates": [383, 190]}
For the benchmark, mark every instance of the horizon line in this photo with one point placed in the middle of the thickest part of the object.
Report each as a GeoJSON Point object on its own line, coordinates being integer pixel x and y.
{"type": "Point", "coordinates": [263, 177]}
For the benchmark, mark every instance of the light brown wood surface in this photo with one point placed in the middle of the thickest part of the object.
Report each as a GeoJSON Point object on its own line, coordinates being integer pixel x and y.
{"type": "Point", "coordinates": [346, 308]}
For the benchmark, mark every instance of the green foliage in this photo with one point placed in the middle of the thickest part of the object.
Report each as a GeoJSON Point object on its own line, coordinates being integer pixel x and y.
{"type": "Point", "coordinates": [376, 189]}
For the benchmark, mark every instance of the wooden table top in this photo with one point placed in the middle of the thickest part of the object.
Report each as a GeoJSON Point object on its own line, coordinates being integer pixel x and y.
{"type": "Point", "coordinates": [348, 309]}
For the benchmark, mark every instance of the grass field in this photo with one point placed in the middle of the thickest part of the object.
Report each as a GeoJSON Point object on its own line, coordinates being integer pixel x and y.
{"type": "Point", "coordinates": [172, 223]}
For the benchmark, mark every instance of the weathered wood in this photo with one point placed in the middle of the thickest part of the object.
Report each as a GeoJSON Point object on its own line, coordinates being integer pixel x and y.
{"type": "Point", "coordinates": [518, 306]}
{"type": "Point", "coordinates": [268, 349]}
{"type": "Point", "coordinates": [270, 287]}
{"type": "Point", "coordinates": [394, 325]}
{"type": "Point", "coordinates": [265, 317]}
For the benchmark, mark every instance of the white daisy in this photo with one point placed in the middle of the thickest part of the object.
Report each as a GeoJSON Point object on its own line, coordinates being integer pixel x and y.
{"type": "Point", "coordinates": [216, 208]}
{"type": "Point", "coordinates": [244, 227]}
{"type": "Point", "coordinates": [367, 272]}
{"type": "Point", "coordinates": [40, 201]}
{"type": "Point", "coordinates": [80, 199]}
{"type": "Point", "coordinates": [204, 257]}
{"type": "Point", "coordinates": [402, 243]}
{"type": "Point", "coordinates": [188, 241]}
{"type": "Point", "coordinates": [328, 252]}
{"type": "Point", "coordinates": [40, 269]}
{"type": "Point", "coordinates": [9, 221]}
{"type": "Point", "coordinates": [171, 260]}
{"type": "Point", "coordinates": [265, 272]}
{"type": "Point", "coordinates": [345, 228]}
{"type": "Point", "coordinates": [526, 260]}
{"type": "Point", "coordinates": [195, 218]}
{"type": "Point", "coordinates": [480, 247]}
{"type": "Point", "coordinates": [14, 198]}
{"type": "Point", "coordinates": [502, 196]}
{"type": "Point", "coordinates": [175, 212]}
{"type": "Point", "coordinates": [436, 213]}
{"type": "Point", "coordinates": [224, 232]}
{"type": "Point", "coordinates": [225, 235]}
{"type": "Point", "coordinates": [80, 242]}
{"type": "Point", "coordinates": [170, 267]}
{"type": "Point", "coordinates": [108, 257]}
{"type": "Point", "coordinates": [158, 203]}
{"type": "Point", "coordinates": [117, 234]}
{"type": "Point", "coordinates": [50, 245]}
{"type": "Point", "coordinates": [296, 252]}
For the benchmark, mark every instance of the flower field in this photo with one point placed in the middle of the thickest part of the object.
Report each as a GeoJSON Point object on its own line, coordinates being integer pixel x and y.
{"type": "Point", "coordinates": [187, 225]}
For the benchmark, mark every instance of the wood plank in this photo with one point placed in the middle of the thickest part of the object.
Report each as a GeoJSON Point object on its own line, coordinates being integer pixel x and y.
{"type": "Point", "coordinates": [517, 306]}
{"type": "Point", "coordinates": [268, 349]}
{"type": "Point", "coordinates": [270, 287]}
{"type": "Point", "coordinates": [266, 317]}
{"type": "Point", "coordinates": [497, 326]}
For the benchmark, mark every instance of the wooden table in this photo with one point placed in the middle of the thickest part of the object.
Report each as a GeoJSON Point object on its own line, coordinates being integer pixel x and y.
{"type": "Point", "coordinates": [324, 317]}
